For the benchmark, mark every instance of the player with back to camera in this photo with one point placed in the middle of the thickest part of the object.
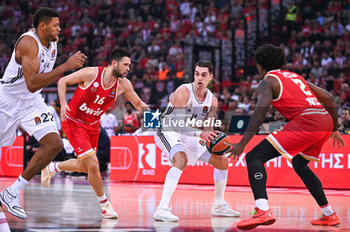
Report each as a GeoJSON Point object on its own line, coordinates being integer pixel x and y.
{"type": "Point", "coordinates": [21, 104]}
{"type": "Point", "coordinates": [183, 145]}
{"type": "Point", "coordinates": [312, 115]}
{"type": "Point", "coordinates": [98, 88]}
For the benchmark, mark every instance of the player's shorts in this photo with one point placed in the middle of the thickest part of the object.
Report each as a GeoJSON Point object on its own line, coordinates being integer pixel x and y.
{"type": "Point", "coordinates": [305, 134]}
{"type": "Point", "coordinates": [82, 137]}
{"type": "Point", "coordinates": [33, 115]}
{"type": "Point", "coordinates": [194, 147]}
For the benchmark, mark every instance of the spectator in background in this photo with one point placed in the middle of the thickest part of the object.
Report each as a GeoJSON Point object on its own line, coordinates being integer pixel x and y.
{"type": "Point", "coordinates": [132, 119]}
{"type": "Point", "coordinates": [344, 122]}
{"type": "Point", "coordinates": [109, 122]}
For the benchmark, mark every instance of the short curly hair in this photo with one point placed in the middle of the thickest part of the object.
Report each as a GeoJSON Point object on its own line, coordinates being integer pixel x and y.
{"type": "Point", "coordinates": [44, 14]}
{"type": "Point", "coordinates": [270, 57]}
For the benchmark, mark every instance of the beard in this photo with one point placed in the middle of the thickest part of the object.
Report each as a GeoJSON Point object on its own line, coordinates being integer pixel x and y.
{"type": "Point", "coordinates": [117, 73]}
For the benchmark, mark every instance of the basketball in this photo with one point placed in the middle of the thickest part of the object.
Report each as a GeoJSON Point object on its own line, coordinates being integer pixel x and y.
{"type": "Point", "coordinates": [217, 145]}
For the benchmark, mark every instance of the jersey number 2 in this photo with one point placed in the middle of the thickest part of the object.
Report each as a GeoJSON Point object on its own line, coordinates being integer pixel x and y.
{"type": "Point", "coordinates": [302, 87]}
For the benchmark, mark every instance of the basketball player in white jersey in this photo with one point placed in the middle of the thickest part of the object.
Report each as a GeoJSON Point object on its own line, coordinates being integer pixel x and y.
{"type": "Point", "coordinates": [183, 145]}
{"type": "Point", "coordinates": [21, 104]}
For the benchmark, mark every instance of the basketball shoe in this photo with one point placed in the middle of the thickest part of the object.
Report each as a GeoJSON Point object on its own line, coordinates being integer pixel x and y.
{"type": "Point", "coordinates": [331, 220]}
{"type": "Point", "coordinates": [12, 201]}
{"type": "Point", "coordinates": [164, 214]}
{"type": "Point", "coordinates": [108, 211]}
{"type": "Point", "coordinates": [223, 209]}
{"type": "Point", "coordinates": [260, 217]}
{"type": "Point", "coordinates": [46, 176]}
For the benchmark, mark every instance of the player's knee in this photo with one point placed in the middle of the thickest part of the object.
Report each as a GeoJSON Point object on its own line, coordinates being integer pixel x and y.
{"type": "Point", "coordinates": [249, 158]}
{"type": "Point", "coordinates": [180, 160]}
{"type": "Point", "coordinates": [52, 143]}
{"type": "Point", "coordinates": [299, 163]}
{"type": "Point", "coordinates": [221, 162]}
{"type": "Point", "coordinates": [93, 166]}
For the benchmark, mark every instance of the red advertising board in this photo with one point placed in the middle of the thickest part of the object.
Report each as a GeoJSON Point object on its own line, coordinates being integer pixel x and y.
{"type": "Point", "coordinates": [11, 159]}
{"type": "Point", "coordinates": [137, 158]}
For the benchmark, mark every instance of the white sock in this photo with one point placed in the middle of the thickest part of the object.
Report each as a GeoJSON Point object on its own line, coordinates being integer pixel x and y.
{"type": "Point", "coordinates": [102, 199]}
{"type": "Point", "coordinates": [171, 180]}
{"type": "Point", "coordinates": [4, 226]}
{"type": "Point", "coordinates": [53, 168]}
{"type": "Point", "coordinates": [262, 204]}
{"type": "Point", "coordinates": [220, 191]}
{"type": "Point", "coordinates": [19, 184]}
{"type": "Point", "coordinates": [327, 210]}
{"type": "Point", "coordinates": [220, 179]}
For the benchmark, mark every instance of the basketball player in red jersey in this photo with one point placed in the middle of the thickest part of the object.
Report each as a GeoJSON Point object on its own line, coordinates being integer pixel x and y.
{"type": "Point", "coordinates": [131, 119]}
{"type": "Point", "coordinates": [312, 115]}
{"type": "Point", "coordinates": [98, 88]}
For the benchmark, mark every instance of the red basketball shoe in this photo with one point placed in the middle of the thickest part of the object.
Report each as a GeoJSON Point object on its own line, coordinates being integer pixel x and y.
{"type": "Point", "coordinates": [260, 217]}
{"type": "Point", "coordinates": [331, 220]}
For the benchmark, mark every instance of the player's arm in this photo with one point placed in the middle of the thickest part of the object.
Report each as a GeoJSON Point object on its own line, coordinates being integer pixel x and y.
{"type": "Point", "coordinates": [265, 93]}
{"type": "Point", "coordinates": [212, 113]}
{"type": "Point", "coordinates": [265, 96]}
{"type": "Point", "coordinates": [81, 76]}
{"type": "Point", "coordinates": [329, 103]}
{"type": "Point", "coordinates": [132, 96]}
{"type": "Point", "coordinates": [27, 56]}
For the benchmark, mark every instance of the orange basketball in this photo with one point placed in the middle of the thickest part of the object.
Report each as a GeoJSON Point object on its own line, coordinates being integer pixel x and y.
{"type": "Point", "coordinates": [217, 145]}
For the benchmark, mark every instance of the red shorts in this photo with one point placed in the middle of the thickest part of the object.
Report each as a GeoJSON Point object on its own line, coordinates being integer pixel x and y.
{"type": "Point", "coordinates": [304, 134]}
{"type": "Point", "coordinates": [82, 137]}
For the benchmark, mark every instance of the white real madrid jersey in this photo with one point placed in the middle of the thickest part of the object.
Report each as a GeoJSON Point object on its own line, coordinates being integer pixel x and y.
{"type": "Point", "coordinates": [194, 108]}
{"type": "Point", "coordinates": [13, 81]}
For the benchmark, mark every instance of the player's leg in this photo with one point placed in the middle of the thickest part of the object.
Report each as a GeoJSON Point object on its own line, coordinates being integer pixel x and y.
{"type": "Point", "coordinates": [37, 122]}
{"type": "Point", "coordinates": [314, 185]}
{"type": "Point", "coordinates": [4, 226]}
{"type": "Point", "coordinates": [95, 179]}
{"type": "Point", "coordinates": [168, 143]}
{"type": "Point", "coordinates": [220, 163]}
{"type": "Point", "coordinates": [256, 159]}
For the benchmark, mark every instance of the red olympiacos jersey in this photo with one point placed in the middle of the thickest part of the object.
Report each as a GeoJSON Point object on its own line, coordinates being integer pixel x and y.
{"type": "Point", "coordinates": [295, 95]}
{"type": "Point", "coordinates": [131, 120]}
{"type": "Point", "coordinates": [88, 104]}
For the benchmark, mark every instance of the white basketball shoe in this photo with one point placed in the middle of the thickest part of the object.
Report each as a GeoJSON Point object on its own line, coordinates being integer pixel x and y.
{"type": "Point", "coordinates": [164, 214]}
{"type": "Point", "coordinates": [223, 209]}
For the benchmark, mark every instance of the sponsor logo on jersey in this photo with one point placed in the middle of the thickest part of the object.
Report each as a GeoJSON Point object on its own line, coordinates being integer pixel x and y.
{"type": "Point", "coordinates": [95, 84]}
{"type": "Point", "coordinates": [37, 120]}
{"type": "Point", "coordinates": [205, 109]}
{"type": "Point", "coordinates": [112, 94]}
{"type": "Point", "coordinates": [53, 54]}
{"type": "Point", "coordinates": [84, 107]}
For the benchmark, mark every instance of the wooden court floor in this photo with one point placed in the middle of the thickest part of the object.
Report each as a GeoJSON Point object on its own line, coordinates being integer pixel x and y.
{"type": "Point", "coordinates": [71, 205]}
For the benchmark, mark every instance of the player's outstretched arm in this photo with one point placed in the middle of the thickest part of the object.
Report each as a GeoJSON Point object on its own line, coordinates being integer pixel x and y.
{"type": "Point", "coordinates": [85, 75]}
{"type": "Point", "coordinates": [265, 92]}
{"type": "Point", "coordinates": [127, 88]}
{"type": "Point", "coordinates": [26, 55]}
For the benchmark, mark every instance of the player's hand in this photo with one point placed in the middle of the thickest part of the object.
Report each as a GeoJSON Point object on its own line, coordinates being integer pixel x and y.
{"type": "Point", "coordinates": [337, 137]}
{"type": "Point", "coordinates": [209, 135]}
{"type": "Point", "coordinates": [76, 61]}
{"type": "Point", "coordinates": [64, 109]}
{"type": "Point", "coordinates": [235, 150]}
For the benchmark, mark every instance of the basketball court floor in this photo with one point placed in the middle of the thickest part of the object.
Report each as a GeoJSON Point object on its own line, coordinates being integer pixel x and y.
{"type": "Point", "coordinates": [71, 205]}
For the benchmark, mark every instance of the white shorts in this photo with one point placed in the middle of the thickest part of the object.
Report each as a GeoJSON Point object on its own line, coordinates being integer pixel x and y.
{"type": "Point", "coordinates": [194, 147]}
{"type": "Point", "coordinates": [33, 115]}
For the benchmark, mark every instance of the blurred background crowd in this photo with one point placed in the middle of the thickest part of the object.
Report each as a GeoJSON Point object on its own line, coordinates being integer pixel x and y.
{"type": "Point", "coordinates": [165, 38]}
